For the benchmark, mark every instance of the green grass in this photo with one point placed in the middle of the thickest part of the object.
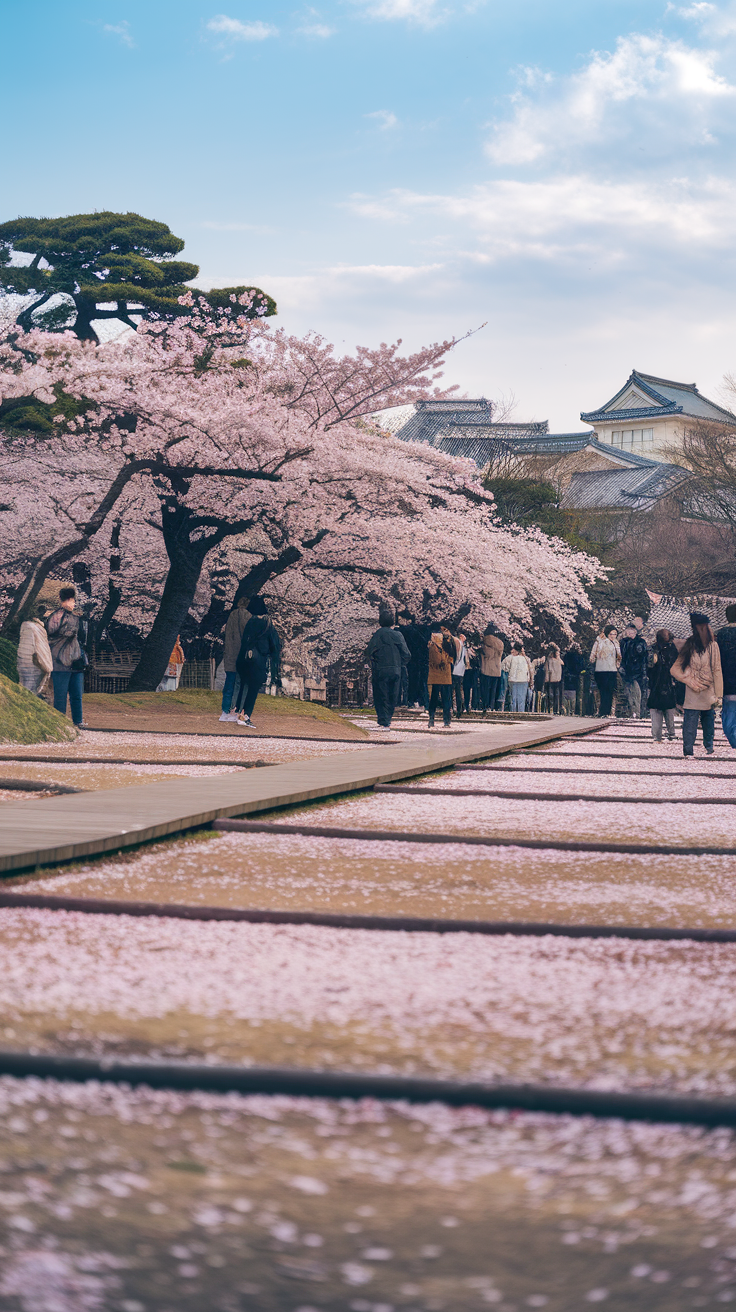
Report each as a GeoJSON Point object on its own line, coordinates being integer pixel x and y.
{"type": "Point", "coordinates": [202, 702]}
{"type": "Point", "coordinates": [25, 718]}
{"type": "Point", "coordinates": [8, 660]}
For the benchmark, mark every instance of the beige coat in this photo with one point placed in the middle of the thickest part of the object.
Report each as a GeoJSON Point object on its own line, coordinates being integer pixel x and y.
{"type": "Point", "coordinates": [33, 648]}
{"type": "Point", "coordinates": [703, 678]}
{"type": "Point", "coordinates": [553, 669]}
{"type": "Point", "coordinates": [233, 634]}
{"type": "Point", "coordinates": [491, 654]}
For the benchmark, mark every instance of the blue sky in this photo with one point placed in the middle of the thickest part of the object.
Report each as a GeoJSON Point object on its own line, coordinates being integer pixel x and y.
{"type": "Point", "coordinates": [413, 168]}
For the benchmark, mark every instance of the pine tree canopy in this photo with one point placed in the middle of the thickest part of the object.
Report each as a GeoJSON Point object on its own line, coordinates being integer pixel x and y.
{"type": "Point", "coordinates": [122, 262]}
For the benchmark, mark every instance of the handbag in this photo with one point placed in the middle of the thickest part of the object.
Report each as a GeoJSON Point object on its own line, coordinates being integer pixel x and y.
{"type": "Point", "coordinates": [80, 663]}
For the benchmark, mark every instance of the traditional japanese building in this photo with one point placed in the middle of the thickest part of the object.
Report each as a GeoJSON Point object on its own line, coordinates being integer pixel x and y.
{"type": "Point", "coordinates": [648, 414]}
{"type": "Point", "coordinates": [625, 458]}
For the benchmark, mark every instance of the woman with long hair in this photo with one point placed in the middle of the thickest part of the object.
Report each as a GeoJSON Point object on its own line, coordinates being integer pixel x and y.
{"type": "Point", "coordinates": [662, 691]}
{"type": "Point", "coordinates": [698, 666]}
{"type": "Point", "coordinates": [607, 656]}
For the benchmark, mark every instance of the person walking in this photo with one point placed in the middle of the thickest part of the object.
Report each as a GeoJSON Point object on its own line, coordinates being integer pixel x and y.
{"type": "Point", "coordinates": [662, 699]}
{"type": "Point", "coordinates": [388, 655]}
{"type": "Point", "coordinates": [416, 637]}
{"type": "Point", "coordinates": [573, 664]}
{"type": "Point", "coordinates": [491, 655]}
{"type": "Point", "coordinates": [403, 697]}
{"type": "Point", "coordinates": [442, 654]}
{"type": "Point", "coordinates": [34, 660]}
{"type": "Point", "coordinates": [520, 676]}
{"type": "Point", "coordinates": [726, 639]}
{"type": "Point", "coordinates": [259, 645]}
{"type": "Point", "coordinates": [698, 666]}
{"type": "Point", "coordinates": [553, 679]}
{"type": "Point", "coordinates": [237, 620]}
{"type": "Point", "coordinates": [458, 672]}
{"type": "Point", "coordinates": [606, 654]}
{"type": "Point", "coordinates": [69, 660]}
{"type": "Point", "coordinates": [634, 657]}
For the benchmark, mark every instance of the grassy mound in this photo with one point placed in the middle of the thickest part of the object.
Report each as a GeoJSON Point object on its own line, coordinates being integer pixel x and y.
{"type": "Point", "coordinates": [201, 702]}
{"type": "Point", "coordinates": [9, 659]}
{"type": "Point", "coordinates": [25, 718]}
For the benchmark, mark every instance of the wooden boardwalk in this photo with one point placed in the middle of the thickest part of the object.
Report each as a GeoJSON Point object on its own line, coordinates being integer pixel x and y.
{"type": "Point", "coordinates": [35, 833]}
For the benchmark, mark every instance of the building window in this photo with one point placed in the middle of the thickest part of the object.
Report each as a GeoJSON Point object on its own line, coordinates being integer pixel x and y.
{"type": "Point", "coordinates": [632, 438]}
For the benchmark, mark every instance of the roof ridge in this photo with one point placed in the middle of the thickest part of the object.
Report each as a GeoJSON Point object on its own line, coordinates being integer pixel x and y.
{"type": "Point", "coordinates": [668, 382]}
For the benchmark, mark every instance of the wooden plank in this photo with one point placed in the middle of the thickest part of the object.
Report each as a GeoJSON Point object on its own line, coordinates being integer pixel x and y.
{"type": "Point", "coordinates": [67, 828]}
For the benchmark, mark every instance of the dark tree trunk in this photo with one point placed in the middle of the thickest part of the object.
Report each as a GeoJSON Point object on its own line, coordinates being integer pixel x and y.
{"type": "Point", "coordinates": [185, 566]}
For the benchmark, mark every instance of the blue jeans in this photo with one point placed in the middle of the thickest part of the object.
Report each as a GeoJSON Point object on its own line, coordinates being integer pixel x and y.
{"type": "Point", "coordinates": [69, 682]}
{"type": "Point", "coordinates": [690, 729]}
{"type": "Point", "coordinates": [228, 691]}
{"type": "Point", "coordinates": [728, 720]}
{"type": "Point", "coordinates": [518, 696]}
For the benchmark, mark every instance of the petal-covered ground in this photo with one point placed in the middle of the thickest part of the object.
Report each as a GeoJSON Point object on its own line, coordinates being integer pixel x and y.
{"type": "Point", "coordinates": [659, 823]}
{"type": "Point", "coordinates": [609, 1013]}
{"type": "Point", "coordinates": [290, 872]}
{"type": "Point", "coordinates": [120, 1200]}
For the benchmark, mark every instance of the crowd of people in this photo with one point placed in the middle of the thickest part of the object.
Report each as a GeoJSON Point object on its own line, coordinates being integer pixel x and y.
{"type": "Point", "coordinates": [696, 675]}
{"type": "Point", "coordinates": [420, 666]}
{"type": "Point", "coordinates": [414, 665]}
{"type": "Point", "coordinates": [417, 666]}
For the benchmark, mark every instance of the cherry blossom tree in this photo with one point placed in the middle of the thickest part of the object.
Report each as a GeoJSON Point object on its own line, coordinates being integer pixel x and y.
{"type": "Point", "coordinates": [247, 451]}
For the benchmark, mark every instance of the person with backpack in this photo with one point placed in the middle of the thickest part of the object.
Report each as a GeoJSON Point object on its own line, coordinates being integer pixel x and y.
{"type": "Point", "coordinates": [634, 658]}
{"type": "Point", "coordinates": [442, 655]}
{"type": "Point", "coordinates": [698, 666]}
{"type": "Point", "coordinates": [662, 699]}
{"type": "Point", "coordinates": [68, 655]}
{"type": "Point", "coordinates": [259, 646]}
{"type": "Point", "coordinates": [388, 655]}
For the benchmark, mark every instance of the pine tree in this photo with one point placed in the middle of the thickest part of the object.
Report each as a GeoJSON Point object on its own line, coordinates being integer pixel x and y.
{"type": "Point", "coordinates": [97, 259]}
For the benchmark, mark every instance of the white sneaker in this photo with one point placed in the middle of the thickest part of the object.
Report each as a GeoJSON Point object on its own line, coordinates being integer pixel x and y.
{"type": "Point", "coordinates": [246, 722]}
{"type": "Point", "coordinates": [232, 717]}
{"type": "Point", "coordinates": [225, 717]}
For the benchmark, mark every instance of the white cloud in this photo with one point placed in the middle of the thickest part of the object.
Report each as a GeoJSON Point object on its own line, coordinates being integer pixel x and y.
{"type": "Point", "coordinates": [425, 13]}
{"type": "Point", "coordinates": [232, 29]}
{"type": "Point", "coordinates": [319, 30]}
{"type": "Point", "coordinates": [121, 30]}
{"type": "Point", "coordinates": [664, 91]}
{"type": "Point", "coordinates": [384, 119]}
{"type": "Point", "coordinates": [567, 218]}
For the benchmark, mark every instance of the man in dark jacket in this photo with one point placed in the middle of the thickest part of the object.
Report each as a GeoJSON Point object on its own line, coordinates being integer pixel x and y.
{"type": "Point", "coordinates": [726, 639]}
{"type": "Point", "coordinates": [573, 664]}
{"type": "Point", "coordinates": [387, 653]}
{"type": "Point", "coordinates": [634, 658]}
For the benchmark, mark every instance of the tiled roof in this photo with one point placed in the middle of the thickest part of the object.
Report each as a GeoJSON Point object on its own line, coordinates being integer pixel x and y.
{"type": "Point", "coordinates": [668, 398]}
{"type": "Point", "coordinates": [636, 488]}
{"type": "Point", "coordinates": [673, 613]}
